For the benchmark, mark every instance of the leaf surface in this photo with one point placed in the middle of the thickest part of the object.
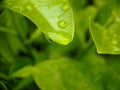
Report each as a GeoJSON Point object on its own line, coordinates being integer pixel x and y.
{"type": "Point", "coordinates": [54, 18]}
{"type": "Point", "coordinates": [64, 75]}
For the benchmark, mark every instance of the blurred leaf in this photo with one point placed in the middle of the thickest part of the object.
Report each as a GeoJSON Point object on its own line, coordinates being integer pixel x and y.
{"type": "Point", "coordinates": [64, 75]}
{"type": "Point", "coordinates": [105, 29]}
{"type": "Point", "coordinates": [76, 66]}
{"type": "Point", "coordinates": [19, 63]}
{"type": "Point", "coordinates": [23, 72]}
{"type": "Point", "coordinates": [20, 24]}
{"type": "Point", "coordinates": [59, 27]}
{"type": "Point", "coordinates": [82, 23]}
{"type": "Point", "coordinates": [25, 82]}
{"type": "Point", "coordinates": [104, 14]}
{"type": "Point", "coordinates": [112, 75]}
{"type": "Point", "coordinates": [2, 86]}
{"type": "Point", "coordinates": [78, 4]}
{"type": "Point", "coordinates": [34, 36]}
{"type": "Point", "coordinates": [99, 3]}
{"type": "Point", "coordinates": [5, 49]}
{"type": "Point", "coordinates": [106, 38]}
{"type": "Point", "coordinates": [95, 63]}
{"type": "Point", "coordinates": [11, 33]}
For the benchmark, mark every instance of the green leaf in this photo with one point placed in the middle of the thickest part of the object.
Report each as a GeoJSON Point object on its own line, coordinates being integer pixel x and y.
{"type": "Point", "coordinates": [82, 23]}
{"type": "Point", "coordinates": [20, 63]}
{"type": "Point", "coordinates": [112, 75]}
{"type": "Point", "coordinates": [63, 74]}
{"type": "Point", "coordinates": [5, 49]}
{"type": "Point", "coordinates": [105, 29]}
{"type": "Point", "coordinates": [78, 5]}
{"type": "Point", "coordinates": [18, 25]}
{"type": "Point", "coordinates": [107, 39]}
{"type": "Point", "coordinates": [34, 36]}
{"type": "Point", "coordinates": [54, 18]}
{"type": "Point", "coordinates": [2, 86]}
{"type": "Point", "coordinates": [23, 72]}
{"type": "Point", "coordinates": [95, 63]}
{"type": "Point", "coordinates": [104, 14]}
{"type": "Point", "coordinates": [24, 83]}
{"type": "Point", "coordinates": [11, 30]}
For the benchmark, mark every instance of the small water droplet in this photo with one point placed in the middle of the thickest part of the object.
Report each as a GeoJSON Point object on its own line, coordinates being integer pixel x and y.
{"type": "Point", "coordinates": [62, 24]}
{"type": "Point", "coordinates": [69, 22]}
{"type": "Point", "coordinates": [60, 37]}
{"type": "Point", "coordinates": [49, 40]}
{"type": "Point", "coordinates": [65, 7]}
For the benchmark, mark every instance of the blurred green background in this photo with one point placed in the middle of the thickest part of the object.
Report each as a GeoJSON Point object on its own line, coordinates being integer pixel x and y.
{"type": "Point", "coordinates": [29, 61]}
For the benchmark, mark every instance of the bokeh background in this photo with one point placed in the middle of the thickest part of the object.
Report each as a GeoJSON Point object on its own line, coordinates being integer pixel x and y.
{"type": "Point", "coordinates": [30, 61]}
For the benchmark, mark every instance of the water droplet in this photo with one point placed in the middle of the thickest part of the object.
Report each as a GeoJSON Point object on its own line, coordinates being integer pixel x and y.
{"type": "Point", "coordinates": [62, 24]}
{"type": "Point", "coordinates": [65, 7]}
{"type": "Point", "coordinates": [69, 22]}
{"type": "Point", "coordinates": [49, 40]}
{"type": "Point", "coordinates": [61, 38]}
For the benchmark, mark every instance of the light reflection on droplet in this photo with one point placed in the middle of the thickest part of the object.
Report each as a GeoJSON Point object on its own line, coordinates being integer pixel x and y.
{"type": "Point", "coordinates": [65, 7]}
{"type": "Point", "coordinates": [62, 24]}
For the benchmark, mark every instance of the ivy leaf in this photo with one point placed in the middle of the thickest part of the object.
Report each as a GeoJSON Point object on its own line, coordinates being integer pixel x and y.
{"type": "Point", "coordinates": [53, 17]}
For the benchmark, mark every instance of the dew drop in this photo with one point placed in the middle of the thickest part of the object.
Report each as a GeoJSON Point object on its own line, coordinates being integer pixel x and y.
{"type": "Point", "coordinates": [62, 24]}
{"type": "Point", "coordinates": [65, 7]}
{"type": "Point", "coordinates": [69, 22]}
{"type": "Point", "coordinates": [49, 40]}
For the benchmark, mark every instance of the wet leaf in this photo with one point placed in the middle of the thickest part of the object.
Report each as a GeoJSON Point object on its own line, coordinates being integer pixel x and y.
{"type": "Point", "coordinates": [54, 18]}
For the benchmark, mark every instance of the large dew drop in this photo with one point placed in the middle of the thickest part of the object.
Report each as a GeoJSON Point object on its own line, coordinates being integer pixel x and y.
{"type": "Point", "coordinates": [62, 24]}
{"type": "Point", "coordinates": [59, 38]}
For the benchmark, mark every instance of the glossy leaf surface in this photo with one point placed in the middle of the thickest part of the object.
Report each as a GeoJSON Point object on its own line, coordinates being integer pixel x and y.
{"type": "Point", "coordinates": [54, 18]}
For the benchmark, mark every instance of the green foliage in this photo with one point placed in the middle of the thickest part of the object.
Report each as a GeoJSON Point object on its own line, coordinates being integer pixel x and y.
{"type": "Point", "coordinates": [59, 27]}
{"type": "Point", "coordinates": [29, 62]}
{"type": "Point", "coordinates": [105, 29]}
